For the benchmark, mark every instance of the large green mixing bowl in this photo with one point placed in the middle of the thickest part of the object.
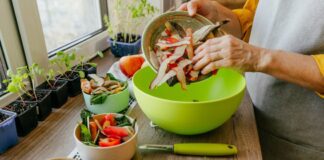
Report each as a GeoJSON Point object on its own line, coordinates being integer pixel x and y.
{"type": "Point", "coordinates": [204, 106]}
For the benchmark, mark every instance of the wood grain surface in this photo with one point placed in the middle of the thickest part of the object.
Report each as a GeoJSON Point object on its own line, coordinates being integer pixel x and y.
{"type": "Point", "coordinates": [54, 136]}
{"type": "Point", "coordinates": [240, 130]}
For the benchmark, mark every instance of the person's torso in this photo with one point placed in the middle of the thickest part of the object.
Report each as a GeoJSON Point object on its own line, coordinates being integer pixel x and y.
{"type": "Point", "coordinates": [284, 109]}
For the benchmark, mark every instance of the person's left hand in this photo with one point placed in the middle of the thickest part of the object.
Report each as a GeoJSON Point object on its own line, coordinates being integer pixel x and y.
{"type": "Point", "coordinates": [228, 51]}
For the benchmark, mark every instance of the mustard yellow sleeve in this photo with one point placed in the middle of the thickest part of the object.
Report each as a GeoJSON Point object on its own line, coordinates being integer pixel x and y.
{"type": "Point", "coordinates": [320, 63]}
{"type": "Point", "coordinates": [246, 16]}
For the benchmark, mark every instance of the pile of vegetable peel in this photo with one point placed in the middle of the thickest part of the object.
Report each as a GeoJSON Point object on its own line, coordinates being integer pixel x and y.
{"type": "Point", "coordinates": [173, 52]}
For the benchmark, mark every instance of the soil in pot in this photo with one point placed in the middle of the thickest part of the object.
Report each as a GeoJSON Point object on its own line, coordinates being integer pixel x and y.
{"type": "Point", "coordinates": [44, 103]}
{"type": "Point", "coordinates": [26, 119]}
{"type": "Point", "coordinates": [59, 92]}
{"type": "Point", "coordinates": [74, 84]}
{"type": "Point", "coordinates": [3, 117]}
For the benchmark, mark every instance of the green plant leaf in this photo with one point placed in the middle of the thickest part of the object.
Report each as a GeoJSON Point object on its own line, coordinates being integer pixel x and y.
{"type": "Point", "coordinates": [84, 114]}
{"type": "Point", "coordinates": [93, 64]}
{"type": "Point", "coordinates": [99, 98]}
{"type": "Point", "coordinates": [100, 54]}
{"type": "Point", "coordinates": [81, 74]}
{"type": "Point", "coordinates": [112, 77]}
{"type": "Point", "coordinates": [85, 134]}
{"type": "Point", "coordinates": [123, 121]}
{"type": "Point", "coordinates": [12, 88]}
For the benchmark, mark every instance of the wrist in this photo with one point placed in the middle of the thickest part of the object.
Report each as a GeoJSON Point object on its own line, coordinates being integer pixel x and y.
{"type": "Point", "coordinates": [265, 60]}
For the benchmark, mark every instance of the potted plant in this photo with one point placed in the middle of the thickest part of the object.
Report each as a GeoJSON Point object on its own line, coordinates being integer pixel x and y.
{"type": "Point", "coordinates": [85, 66]}
{"type": "Point", "coordinates": [58, 88]}
{"type": "Point", "coordinates": [26, 119]}
{"type": "Point", "coordinates": [41, 98]}
{"type": "Point", "coordinates": [63, 62]}
{"type": "Point", "coordinates": [123, 29]}
{"type": "Point", "coordinates": [8, 132]}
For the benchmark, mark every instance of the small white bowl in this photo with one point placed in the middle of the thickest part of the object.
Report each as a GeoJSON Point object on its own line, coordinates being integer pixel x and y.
{"type": "Point", "coordinates": [124, 151]}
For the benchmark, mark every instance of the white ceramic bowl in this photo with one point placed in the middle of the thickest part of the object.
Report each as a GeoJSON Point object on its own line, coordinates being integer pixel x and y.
{"type": "Point", "coordinates": [124, 151]}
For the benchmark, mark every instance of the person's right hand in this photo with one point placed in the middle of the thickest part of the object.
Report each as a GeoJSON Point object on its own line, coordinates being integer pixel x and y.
{"type": "Point", "coordinates": [206, 8]}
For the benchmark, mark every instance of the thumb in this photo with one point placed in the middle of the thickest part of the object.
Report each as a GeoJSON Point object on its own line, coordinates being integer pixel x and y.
{"type": "Point", "coordinates": [183, 7]}
{"type": "Point", "coordinates": [192, 8]}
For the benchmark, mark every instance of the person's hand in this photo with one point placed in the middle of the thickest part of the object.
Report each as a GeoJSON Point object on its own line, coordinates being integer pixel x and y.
{"type": "Point", "coordinates": [228, 51]}
{"type": "Point", "coordinates": [206, 8]}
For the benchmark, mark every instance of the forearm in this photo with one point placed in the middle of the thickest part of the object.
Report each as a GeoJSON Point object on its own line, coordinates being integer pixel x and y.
{"type": "Point", "coordinates": [234, 26]}
{"type": "Point", "coordinates": [295, 68]}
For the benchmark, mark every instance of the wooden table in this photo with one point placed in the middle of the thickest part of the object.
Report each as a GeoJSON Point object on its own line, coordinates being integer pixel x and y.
{"type": "Point", "coordinates": [240, 130]}
{"type": "Point", "coordinates": [53, 137]}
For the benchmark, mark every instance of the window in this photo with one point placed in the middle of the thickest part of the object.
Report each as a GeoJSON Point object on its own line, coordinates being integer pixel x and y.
{"type": "Point", "coordinates": [3, 70]}
{"type": "Point", "coordinates": [11, 52]}
{"type": "Point", "coordinates": [66, 21]}
{"type": "Point", "coordinates": [49, 26]}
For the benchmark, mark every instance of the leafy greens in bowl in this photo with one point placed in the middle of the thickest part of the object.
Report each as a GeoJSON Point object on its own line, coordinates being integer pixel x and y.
{"type": "Point", "coordinates": [106, 136]}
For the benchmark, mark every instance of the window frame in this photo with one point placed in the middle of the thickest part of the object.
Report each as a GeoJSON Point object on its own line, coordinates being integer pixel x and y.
{"type": "Point", "coordinates": [31, 32]}
{"type": "Point", "coordinates": [10, 43]}
{"type": "Point", "coordinates": [3, 71]}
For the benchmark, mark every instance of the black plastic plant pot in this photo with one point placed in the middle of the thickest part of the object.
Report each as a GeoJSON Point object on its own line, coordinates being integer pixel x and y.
{"type": "Point", "coordinates": [91, 70]}
{"type": "Point", "coordinates": [74, 84]}
{"type": "Point", "coordinates": [26, 119]}
{"type": "Point", "coordinates": [59, 92]}
{"type": "Point", "coordinates": [43, 102]}
{"type": "Point", "coordinates": [87, 69]}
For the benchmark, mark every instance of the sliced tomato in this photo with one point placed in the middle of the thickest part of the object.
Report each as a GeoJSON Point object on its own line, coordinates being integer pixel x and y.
{"type": "Point", "coordinates": [107, 142]}
{"type": "Point", "coordinates": [110, 118]}
{"type": "Point", "coordinates": [171, 40]}
{"type": "Point", "coordinates": [106, 124]}
{"type": "Point", "coordinates": [115, 131]}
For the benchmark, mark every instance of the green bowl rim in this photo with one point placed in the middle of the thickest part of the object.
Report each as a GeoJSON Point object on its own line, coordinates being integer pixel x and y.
{"type": "Point", "coordinates": [172, 13]}
{"type": "Point", "coordinates": [184, 102]}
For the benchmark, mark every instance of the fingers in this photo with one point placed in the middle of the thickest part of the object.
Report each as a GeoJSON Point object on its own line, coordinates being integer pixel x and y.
{"type": "Point", "coordinates": [208, 58]}
{"type": "Point", "coordinates": [192, 7]}
{"type": "Point", "coordinates": [210, 42]}
{"type": "Point", "coordinates": [183, 7]}
{"type": "Point", "coordinates": [207, 50]}
{"type": "Point", "coordinates": [213, 66]}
